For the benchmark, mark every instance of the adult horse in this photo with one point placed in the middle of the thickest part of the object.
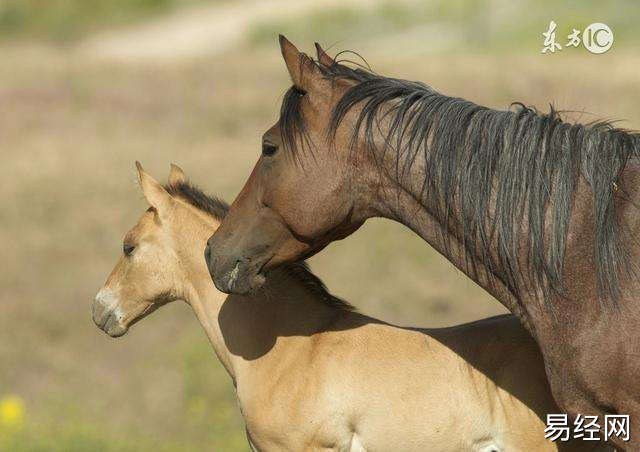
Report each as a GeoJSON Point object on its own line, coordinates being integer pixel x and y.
{"type": "Point", "coordinates": [310, 373]}
{"type": "Point", "coordinates": [537, 211]}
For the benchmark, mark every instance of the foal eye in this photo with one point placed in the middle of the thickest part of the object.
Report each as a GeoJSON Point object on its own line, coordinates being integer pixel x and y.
{"type": "Point", "coordinates": [128, 249]}
{"type": "Point", "coordinates": [269, 149]}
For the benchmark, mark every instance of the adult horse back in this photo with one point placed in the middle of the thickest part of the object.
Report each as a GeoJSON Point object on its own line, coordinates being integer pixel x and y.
{"type": "Point", "coordinates": [537, 211]}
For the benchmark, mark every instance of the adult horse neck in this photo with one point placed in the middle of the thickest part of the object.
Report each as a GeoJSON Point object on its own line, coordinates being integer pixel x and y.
{"type": "Point", "coordinates": [537, 211]}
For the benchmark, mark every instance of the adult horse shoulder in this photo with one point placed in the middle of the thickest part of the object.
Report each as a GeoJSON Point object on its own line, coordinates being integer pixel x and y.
{"type": "Point", "coordinates": [537, 211]}
{"type": "Point", "coordinates": [312, 374]}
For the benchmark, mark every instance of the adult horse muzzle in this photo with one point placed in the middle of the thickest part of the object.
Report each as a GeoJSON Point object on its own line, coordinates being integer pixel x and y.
{"type": "Point", "coordinates": [238, 251]}
{"type": "Point", "coordinates": [237, 276]}
{"type": "Point", "coordinates": [242, 249]}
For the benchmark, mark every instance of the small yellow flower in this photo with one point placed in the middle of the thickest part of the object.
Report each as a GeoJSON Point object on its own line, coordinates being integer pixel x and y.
{"type": "Point", "coordinates": [11, 412]}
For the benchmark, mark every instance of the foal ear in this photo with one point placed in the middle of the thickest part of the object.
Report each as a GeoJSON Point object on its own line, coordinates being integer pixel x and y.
{"type": "Point", "coordinates": [176, 175]}
{"type": "Point", "coordinates": [323, 58]}
{"type": "Point", "coordinates": [303, 71]}
{"type": "Point", "coordinates": [154, 193]}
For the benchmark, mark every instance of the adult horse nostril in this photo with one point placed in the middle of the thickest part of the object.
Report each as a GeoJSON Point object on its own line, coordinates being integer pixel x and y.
{"type": "Point", "coordinates": [233, 275]}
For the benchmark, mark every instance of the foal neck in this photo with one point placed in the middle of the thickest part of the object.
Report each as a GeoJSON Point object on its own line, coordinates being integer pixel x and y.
{"type": "Point", "coordinates": [252, 331]}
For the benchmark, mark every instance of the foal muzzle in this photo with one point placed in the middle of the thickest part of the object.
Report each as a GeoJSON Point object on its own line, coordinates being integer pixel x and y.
{"type": "Point", "coordinates": [106, 317]}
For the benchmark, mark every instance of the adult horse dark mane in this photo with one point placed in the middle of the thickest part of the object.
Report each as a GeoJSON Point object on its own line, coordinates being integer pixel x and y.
{"type": "Point", "coordinates": [470, 151]}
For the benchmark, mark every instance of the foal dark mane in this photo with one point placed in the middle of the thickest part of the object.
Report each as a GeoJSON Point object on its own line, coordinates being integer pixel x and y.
{"type": "Point", "coordinates": [188, 192]}
{"type": "Point", "coordinates": [299, 271]}
{"type": "Point", "coordinates": [530, 162]}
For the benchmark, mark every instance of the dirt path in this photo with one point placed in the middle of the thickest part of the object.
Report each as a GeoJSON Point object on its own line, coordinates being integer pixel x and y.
{"type": "Point", "coordinates": [199, 31]}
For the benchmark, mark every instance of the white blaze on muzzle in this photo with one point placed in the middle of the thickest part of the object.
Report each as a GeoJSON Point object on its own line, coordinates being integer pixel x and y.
{"type": "Point", "coordinates": [107, 314]}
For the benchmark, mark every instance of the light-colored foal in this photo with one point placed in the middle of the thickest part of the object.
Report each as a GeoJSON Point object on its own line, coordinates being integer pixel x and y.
{"type": "Point", "coordinates": [311, 374]}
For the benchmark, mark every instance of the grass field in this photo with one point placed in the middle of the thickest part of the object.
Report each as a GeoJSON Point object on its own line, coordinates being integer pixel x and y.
{"type": "Point", "coordinates": [66, 20]}
{"type": "Point", "coordinates": [71, 128]}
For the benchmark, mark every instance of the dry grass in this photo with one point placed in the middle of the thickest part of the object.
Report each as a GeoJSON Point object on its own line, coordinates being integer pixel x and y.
{"type": "Point", "coordinates": [70, 131]}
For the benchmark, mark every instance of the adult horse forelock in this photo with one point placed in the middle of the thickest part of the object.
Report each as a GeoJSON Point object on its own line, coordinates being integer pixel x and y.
{"type": "Point", "coordinates": [537, 211]}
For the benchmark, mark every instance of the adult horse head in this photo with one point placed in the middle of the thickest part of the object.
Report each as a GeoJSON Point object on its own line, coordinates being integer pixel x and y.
{"type": "Point", "coordinates": [299, 197]}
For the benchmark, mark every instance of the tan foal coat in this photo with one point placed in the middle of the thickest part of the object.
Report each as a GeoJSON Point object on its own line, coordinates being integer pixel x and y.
{"type": "Point", "coordinates": [310, 373]}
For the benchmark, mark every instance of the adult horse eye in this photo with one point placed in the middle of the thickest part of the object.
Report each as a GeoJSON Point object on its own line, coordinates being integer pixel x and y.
{"type": "Point", "coordinates": [269, 149]}
{"type": "Point", "coordinates": [128, 249]}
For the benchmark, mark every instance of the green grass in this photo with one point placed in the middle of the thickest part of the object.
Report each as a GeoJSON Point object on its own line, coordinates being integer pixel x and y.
{"type": "Point", "coordinates": [64, 20]}
{"type": "Point", "coordinates": [338, 24]}
{"type": "Point", "coordinates": [206, 418]}
{"type": "Point", "coordinates": [74, 437]}
{"type": "Point", "coordinates": [211, 416]}
{"type": "Point", "coordinates": [477, 25]}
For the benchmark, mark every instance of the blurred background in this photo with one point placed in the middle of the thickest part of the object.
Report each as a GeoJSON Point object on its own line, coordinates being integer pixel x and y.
{"type": "Point", "coordinates": [89, 86]}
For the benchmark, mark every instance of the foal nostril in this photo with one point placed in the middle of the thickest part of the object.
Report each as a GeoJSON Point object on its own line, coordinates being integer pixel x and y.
{"type": "Point", "coordinates": [97, 313]}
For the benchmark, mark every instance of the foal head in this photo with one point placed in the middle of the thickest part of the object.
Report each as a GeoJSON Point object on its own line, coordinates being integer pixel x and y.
{"type": "Point", "coordinates": [305, 191]}
{"type": "Point", "coordinates": [151, 270]}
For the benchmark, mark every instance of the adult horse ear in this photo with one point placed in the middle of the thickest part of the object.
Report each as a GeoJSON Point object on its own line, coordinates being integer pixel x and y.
{"type": "Point", "coordinates": [303, 71]}
{"type": "Point", "coordinates": [154, 193]}
{"type": "Point", "coordinates": [176, 175]}
{"type": "Point", "coordinates": [323, 57]}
